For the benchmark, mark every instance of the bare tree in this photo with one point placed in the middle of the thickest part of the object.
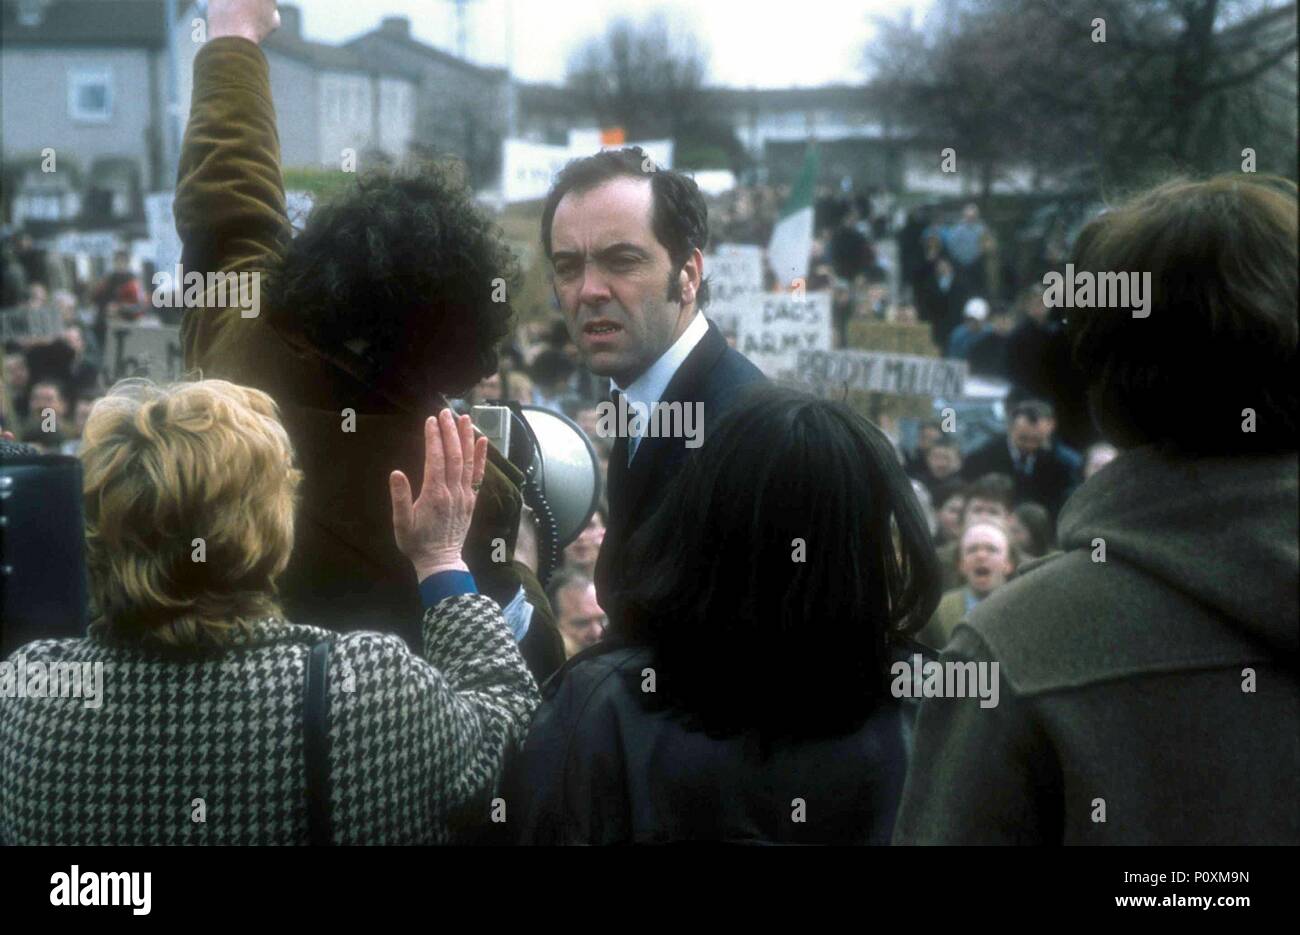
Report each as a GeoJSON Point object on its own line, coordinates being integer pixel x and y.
{"type": "Point", "coordinates": [1109, 91]}
{"type": "Point", "coordinates": [644, 76]}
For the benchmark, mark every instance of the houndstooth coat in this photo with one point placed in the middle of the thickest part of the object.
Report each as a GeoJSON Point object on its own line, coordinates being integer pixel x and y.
{"type": "Point", "coordinates": [190, 749]}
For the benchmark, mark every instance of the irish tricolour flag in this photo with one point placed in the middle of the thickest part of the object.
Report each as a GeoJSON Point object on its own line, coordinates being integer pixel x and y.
{"type": "Point", "coordinates": [792, 236]}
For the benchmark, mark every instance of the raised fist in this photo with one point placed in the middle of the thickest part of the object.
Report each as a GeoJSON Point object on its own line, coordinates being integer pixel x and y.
{"type": "Point", "coordinates": [254, 20]}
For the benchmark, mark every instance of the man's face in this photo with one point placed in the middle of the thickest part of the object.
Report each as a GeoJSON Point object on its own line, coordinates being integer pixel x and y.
{"type": "Point", "coordinates": [943, 461]}
{"type": "Point", "coordinates": [612, 277]}
{"type": "Point", "coordinates": [44, 396]}
{"type": "Point", "coordinates": [978, 509]}
{"type": "Point", "coordinates": [580, 619]}
{"type": "Point", "coordinates": [950, 515]}
{"type": "Point", "coordinates": [581, 553]}
{"type": "Point", "coordinates": [1026, 436]}
{"type": "Point", "coordinates": [985, 558]}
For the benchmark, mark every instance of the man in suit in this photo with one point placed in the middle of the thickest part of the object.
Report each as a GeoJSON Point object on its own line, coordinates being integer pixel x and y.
{"type": "Point", "coordinates": [1026, 454]}
{"type": "Point", "coordinates": [625, 240]}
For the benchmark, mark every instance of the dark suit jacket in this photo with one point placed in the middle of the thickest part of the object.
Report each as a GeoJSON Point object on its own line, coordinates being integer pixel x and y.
{"type": "Point", "coordinates": [712, 374]}
{"type": "Point", "coordinates": [1049, 483]}
{"type": "Point", "coordinates": [346, 572]}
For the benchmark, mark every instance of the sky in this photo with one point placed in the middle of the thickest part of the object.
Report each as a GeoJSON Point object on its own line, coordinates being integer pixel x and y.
{"type": "Point", "coordinates": [751, 43]}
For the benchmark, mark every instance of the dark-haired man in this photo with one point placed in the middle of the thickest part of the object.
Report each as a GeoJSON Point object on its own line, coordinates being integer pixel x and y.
{"type": "Point", "coordinates": [626, 244]}
{"type": "Point", "coordinates": [1040, 472]}
{"type": "Point", "coordinates": [367, 323]}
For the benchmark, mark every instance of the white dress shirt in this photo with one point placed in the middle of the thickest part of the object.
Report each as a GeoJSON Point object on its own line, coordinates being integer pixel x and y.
{"type": "Point", "coordinates": [649, 388]}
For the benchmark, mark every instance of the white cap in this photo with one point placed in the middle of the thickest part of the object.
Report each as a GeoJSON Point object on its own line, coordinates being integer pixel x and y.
{"type": "Point", "coordinates": [977, 309]}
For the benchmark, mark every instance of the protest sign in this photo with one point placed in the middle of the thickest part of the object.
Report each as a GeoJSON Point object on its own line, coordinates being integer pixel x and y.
{"type": "Point", "coordinates": [777, 326]}
{"type": "Point", "coordinates": [144, 351]}
{"type": "Point", "coordinates": [528, 169]}
{"type": "Point", "coordinates": [735, 276]}
{"type": "Point", "coordinates": [882, 372]}
{"type": "Point", "coordinates": [22, 322]}
{"type": "Point", "coordinates": [734, 271]}
{"type": "Point", "coordinates": [896, 336]}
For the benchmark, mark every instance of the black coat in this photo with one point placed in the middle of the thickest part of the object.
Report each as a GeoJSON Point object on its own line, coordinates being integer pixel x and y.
{"type": "Point", "coordinates": [1049, 483]}
{"type": "Point", "coordinates": [941, 310]}
{"type": "Point", "coordinates": [599, 766]}
{"type": "Point", "coordinates": [713, 374]}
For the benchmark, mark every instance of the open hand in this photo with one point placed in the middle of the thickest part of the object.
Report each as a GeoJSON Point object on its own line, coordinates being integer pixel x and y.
{"type": "Point", "coordinates": [431, 531]}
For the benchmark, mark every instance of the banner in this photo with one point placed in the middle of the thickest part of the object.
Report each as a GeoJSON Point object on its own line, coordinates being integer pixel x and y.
{"type": "Point", "coordinates": [528, 169]}
{"type": "Point", "coordinates": [23, 322]}
{"type": "Point", "coordinates": [881, 372]}
{"type": "Point", "coordinates": [144, 351]}
{"type": "Point", "coordinates": [776, 327]}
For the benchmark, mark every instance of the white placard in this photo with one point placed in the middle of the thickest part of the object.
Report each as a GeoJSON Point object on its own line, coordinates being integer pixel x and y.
{"type": "Point", "coordinates": [882, 372]}
{"type": "Point", "coordinates": [735, 272]}
{"type": "Point", "coordinates": [777, 326]}
{"type": "Point", "coordinates": [144, 351]}
{"type": "Point", "coordinates": [529, 169]}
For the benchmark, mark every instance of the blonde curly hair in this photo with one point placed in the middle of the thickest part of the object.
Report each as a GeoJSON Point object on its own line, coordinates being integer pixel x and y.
{"type": "Point", "coordinates": [190, 493]}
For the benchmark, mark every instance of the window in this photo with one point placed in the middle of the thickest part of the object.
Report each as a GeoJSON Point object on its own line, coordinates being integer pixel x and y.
{"type": "Point", "coordinates": [90, 94]}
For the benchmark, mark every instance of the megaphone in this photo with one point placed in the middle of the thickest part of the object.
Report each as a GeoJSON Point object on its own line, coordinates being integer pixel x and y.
{"type": "Point", "coordinates": [561, 472]}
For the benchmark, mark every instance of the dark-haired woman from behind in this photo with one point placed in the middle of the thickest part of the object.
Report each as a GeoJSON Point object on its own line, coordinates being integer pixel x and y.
{"type": "Point", "coordinates": [746, 697]}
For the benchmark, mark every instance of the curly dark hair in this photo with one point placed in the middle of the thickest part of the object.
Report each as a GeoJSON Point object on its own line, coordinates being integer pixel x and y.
{"type": "Point", "coordinates": [404, 276]}
{"type": "Point", "coordinates": [681, 216]}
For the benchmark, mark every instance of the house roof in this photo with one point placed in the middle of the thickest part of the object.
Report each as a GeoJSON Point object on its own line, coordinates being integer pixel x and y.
{"type": "Point", "coordinates": [139, 23]}
{"type": "Point", "coordinates": [332, 57]}
{"type": "Point", "coordinates": [426, 51]}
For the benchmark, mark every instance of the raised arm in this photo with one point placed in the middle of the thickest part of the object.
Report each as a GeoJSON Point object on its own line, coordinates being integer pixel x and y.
{"type": "Point", "coordinates": [230, 210]}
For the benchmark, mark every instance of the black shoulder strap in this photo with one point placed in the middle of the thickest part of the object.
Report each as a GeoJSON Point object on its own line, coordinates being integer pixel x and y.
{"type": "Point", "coordinates": [316, 721]}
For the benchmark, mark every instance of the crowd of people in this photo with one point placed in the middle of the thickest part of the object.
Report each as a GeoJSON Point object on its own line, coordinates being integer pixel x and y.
{"type": "Point", "coordinates": [315, 603]}
{"type": "Point", "coordinates": [50, 381]}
